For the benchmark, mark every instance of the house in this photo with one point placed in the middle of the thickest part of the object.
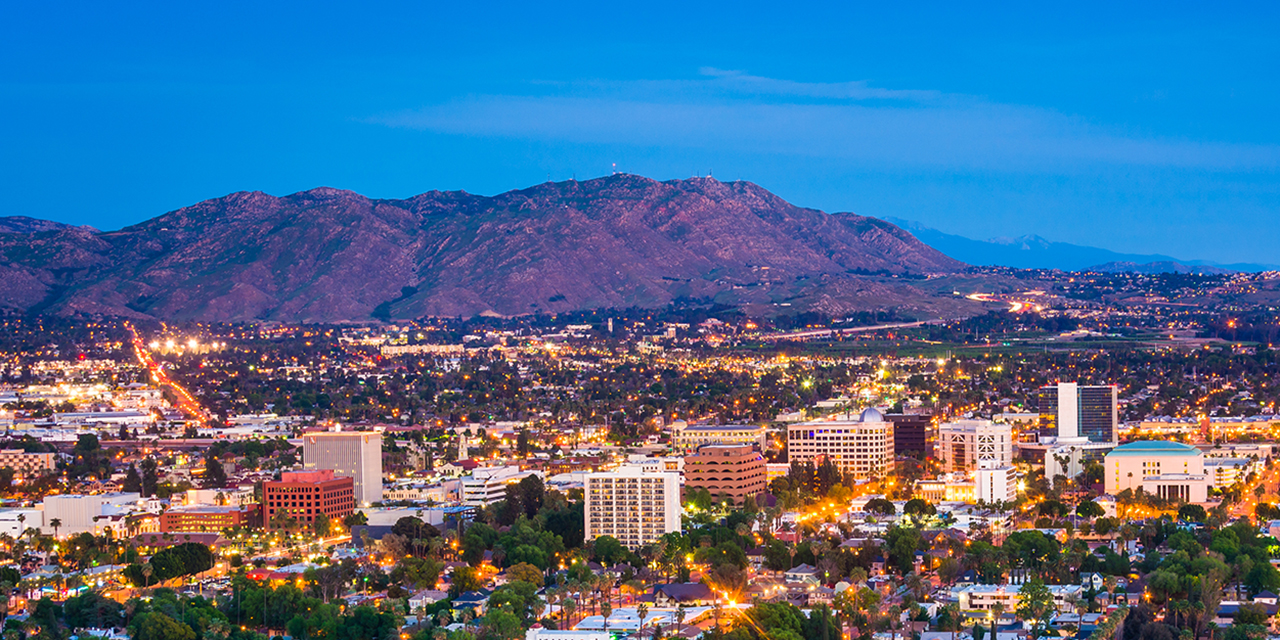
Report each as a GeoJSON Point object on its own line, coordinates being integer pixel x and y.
{"type": "Point", "coordinates": [802, 573]}
{"type": "Point", "coordinates": [474, 600]}
{"type": "Point", "coordinates": [1228, 609]}
{"type": "Point", "coordinates": [686, 593]}
{"type": "Point", "coordinates": [425, 598]}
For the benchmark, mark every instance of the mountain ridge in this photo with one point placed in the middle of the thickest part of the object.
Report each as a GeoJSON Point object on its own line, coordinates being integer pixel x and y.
{"type": "Point", "coordinates": [1035, 252]}
{"type": "Point", "coordinates": [329, 255]}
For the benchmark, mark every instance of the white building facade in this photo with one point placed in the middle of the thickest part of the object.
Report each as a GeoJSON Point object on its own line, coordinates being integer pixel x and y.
{"type": "Point", "coordinates": [348, 454]}
{"type": "Point", "coordinates": [862, 447]}
{"type": "Point", "coordinates": [964, 443]}
{"type": "Point", "coordinates": [1169, 470]}
{"type": "Point", "coordinates": [631, 505]}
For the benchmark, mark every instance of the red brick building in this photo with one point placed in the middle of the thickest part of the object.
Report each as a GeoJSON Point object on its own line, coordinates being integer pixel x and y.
{"type": "Point", "coordinates": [303, 495]}
{"type": "Point", "coordinates": [732, 472]}
{"type": "Point", "coordinates": [204, 518]}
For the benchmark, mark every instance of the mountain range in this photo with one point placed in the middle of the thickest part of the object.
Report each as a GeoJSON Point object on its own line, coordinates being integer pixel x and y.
{"type": "Point", "coordinates": [327, 255]}
{"type": "Point", "coordinates": [1034, 252]}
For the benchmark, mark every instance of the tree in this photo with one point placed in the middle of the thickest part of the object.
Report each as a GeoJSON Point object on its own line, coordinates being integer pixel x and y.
{"type": "Point", "coordinates": [215, 477]}
{"type": "Point", "coordinates": [322, 525]}
{"type": "Point", "coordinates": [1035, 605]}
{"type": "Point", "coordinates": [917, 506]}
{"type": "Point", "coordinates": [158, 626]}
{"type": "Point", "coordinates": [464, 579]}
{"type": "Point", "coordinates": [609, 551]}
{"type": "Point", "coordinates": [132, 481]}
{"type": "Point", "coordinates": [150, 478]}
{"type": "Point", "coordinates": [880, 506]}
{"type": "Point", "coordinates": [55, 523]}
{"type": "Point", "coordinates": [901, 544]}
{"type": "Point", "coordinates": [1090, 510]}
{"type": "Point", "coordinates": [500, 625]}
{"type": "Point", "coordinates": [526, 572]}
{"type": "Point", "coordinates": [1192, 513]}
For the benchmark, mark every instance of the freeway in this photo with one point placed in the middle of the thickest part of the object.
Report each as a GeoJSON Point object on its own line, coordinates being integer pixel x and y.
{"type": "Point", "coordinates": [186, 402]}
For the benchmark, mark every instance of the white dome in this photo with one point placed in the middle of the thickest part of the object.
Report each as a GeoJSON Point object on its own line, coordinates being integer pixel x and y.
{"type": "Point", "coordinates": [871, 414]}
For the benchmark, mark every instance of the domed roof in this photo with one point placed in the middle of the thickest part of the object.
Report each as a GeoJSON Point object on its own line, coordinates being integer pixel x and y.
{"type": "Point", "coordinates": [871, 414]}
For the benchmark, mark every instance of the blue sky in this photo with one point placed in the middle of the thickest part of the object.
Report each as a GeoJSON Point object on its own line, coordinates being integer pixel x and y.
{"type": "Point", "coordinates": [1146, 128]}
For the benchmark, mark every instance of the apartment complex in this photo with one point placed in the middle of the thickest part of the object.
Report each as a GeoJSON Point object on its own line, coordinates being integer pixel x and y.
{"type": "Point", "coordinates": [303, 495]}
{"type": "Point", "coordinates": [28, 465]}
{"type": "Point", "coordinates": [733, 472]}
{"type": "Point", "coordinates": [348, 454]}
{"type": "Point", "coordinates": [631, 505]}
{"type": "Point", "coordinates": [964, 443]}
{"type": "Point", "coordinates": [862, 447]}
{"type": "Point", "coordinates": [984, 597]}
{"type": "Point", "coordinates": [686, 437]}
{"type": "Point", "coordinates": [1069, 410]}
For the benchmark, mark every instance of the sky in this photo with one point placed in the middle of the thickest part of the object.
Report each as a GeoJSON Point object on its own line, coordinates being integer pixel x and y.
{"type": "Point", "coordinates": [1142, 128]}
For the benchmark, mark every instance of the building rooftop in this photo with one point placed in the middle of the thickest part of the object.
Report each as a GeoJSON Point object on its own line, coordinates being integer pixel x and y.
{"type": "Point", "coordinates": [1155, 447]}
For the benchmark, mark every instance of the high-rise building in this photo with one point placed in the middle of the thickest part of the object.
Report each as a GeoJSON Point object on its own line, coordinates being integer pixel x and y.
{"type": "Point", "coordinates": [1069, 410]}
{"type": "Point", "coordinates": [861, 447]}
{"type": "Point", "coordinates": [962, 444]}
{"type": "Point", "coordinates": [303, 495]}
{"type": "Point", "coordinates": [912, 435]}
{"type": "Point", "coordinates": [734, 472]}
{"type": "Point", "coordinates": [631, 505]}
{"type": "Point", "coordinates": [348, 454]}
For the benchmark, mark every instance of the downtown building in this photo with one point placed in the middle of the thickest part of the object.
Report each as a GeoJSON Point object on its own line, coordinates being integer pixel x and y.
{"type": "Point", "coordinates": [1168, 470]}
{"type": "Point", "coordinates": [302, 495]}
{"type": "Point", "coordinates": [963, 444]}
{"type": "Point", "coordinates": [913, 435]}
{"type": "Point", "coordinates": [731, 472]}
{"type": "Point", "coordinates": [205, 518]}
{"type": "Point", "coordinates": [862, 447]}
{"type": "Point", "coordinates": [686, 437]}
{"type": "Point", "coordinates": [1069, 410]}
{"type": "Point", "coordinates": [28, 465]}
{"type": "Point", "coordinates": [632, 505]}
{"type": "Point", "coordinates": [348, 454]}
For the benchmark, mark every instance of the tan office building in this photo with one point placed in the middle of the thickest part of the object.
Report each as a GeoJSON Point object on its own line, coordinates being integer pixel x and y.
{"type": "Point", "coordinates": [733, 472]}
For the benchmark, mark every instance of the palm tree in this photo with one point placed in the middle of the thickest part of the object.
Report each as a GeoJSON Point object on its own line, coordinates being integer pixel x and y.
{"type": "Point", "coordinates": [568, 607]}
{"type": "Point", "coordinates": [55, 523]}
{"type": "Point", "coordinates": [953, 619]}
{"type": "Point", "coordinates": [997, 611]}
{"type": "Point", "coordinates": [642, 610]}
{"type": "Point", "coordinates": [1174, 608]}
{"type": "Point", "coordinates": [147, 570]}
{"type": "Point", "coordinates": [917, 585]}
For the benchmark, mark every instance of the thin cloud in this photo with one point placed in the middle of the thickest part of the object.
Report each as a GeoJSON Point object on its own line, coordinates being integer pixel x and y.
{"type": "Point", "coordinates": [848, 121]}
